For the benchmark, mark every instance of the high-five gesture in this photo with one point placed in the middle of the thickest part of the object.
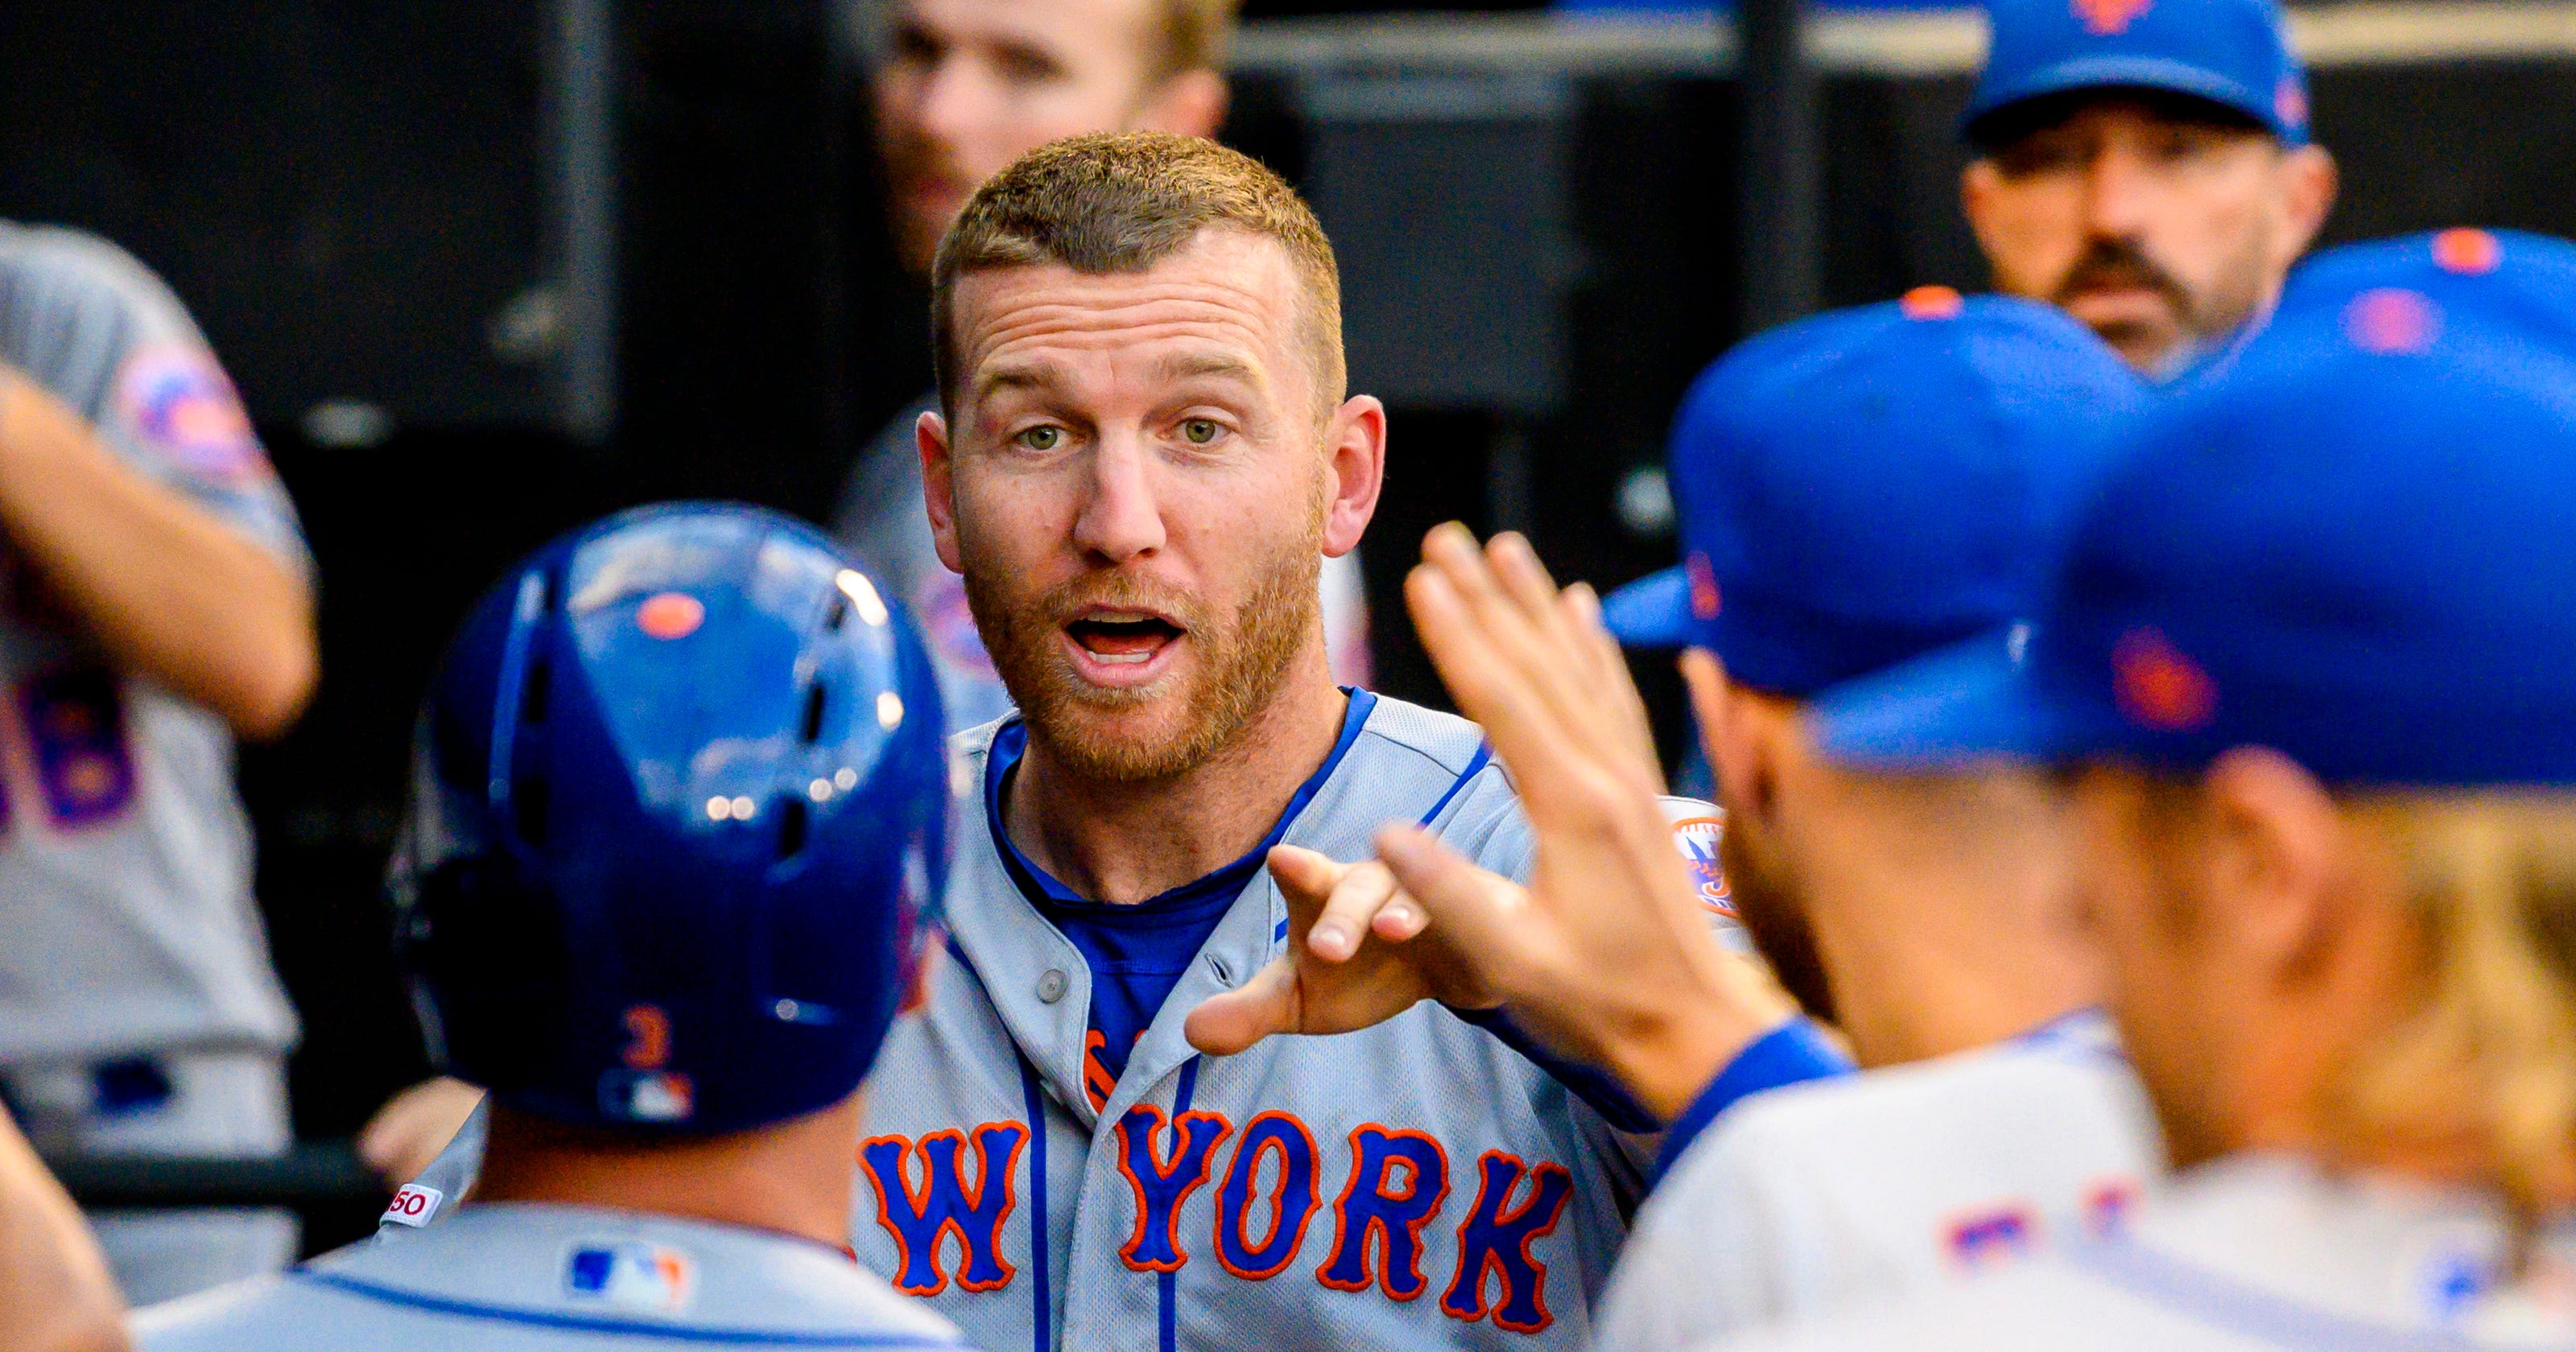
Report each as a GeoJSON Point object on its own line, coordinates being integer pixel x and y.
{"type": "Point", "coordinates": [1607, 953]}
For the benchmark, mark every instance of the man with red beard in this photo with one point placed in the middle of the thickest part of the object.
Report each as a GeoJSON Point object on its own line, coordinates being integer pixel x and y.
{"type": "Point", "coordinates": [1142, 450]}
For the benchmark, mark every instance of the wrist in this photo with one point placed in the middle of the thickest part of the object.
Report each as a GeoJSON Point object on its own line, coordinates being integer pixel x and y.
{"type": "Point", "coordinates": [1668, 1061]}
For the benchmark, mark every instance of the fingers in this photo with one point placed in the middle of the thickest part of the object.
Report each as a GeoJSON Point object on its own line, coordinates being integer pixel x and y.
{"type": "Point", "coordinates": [1620, 704]}
{"type": "Point", "coordinates": [1351, 911]}
{"type": "Point", "coordinates": [408, 1132]}
{"type": "Point", "coordinates": [1306, 881]}
{"type": "Point", "coordinates": [1225, 1024]}
{"type": "Point", "coordinates": [1484, 919]}
{"type": "Point", "coordinates": [1488, 685]}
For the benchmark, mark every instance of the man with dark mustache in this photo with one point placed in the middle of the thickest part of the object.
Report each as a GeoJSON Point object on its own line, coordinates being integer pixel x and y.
{"type": "Point", "coordinates": [2144, 165]}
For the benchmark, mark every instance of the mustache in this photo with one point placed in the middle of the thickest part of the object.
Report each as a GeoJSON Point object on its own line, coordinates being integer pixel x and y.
{"type": "Point", "coordinates": [2117, 262]}
{"type": "Point", "coordinates": [1120, 591]}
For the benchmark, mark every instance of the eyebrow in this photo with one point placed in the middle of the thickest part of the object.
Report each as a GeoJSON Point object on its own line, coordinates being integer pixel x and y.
{"type": "Point", "coordinates": [1037, 377]}
{"type": "Point", "coordinates": [1199, 365]}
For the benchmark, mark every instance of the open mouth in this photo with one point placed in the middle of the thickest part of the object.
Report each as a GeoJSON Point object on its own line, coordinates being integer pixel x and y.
{"type": "Point", "coordinates": [1123, 638]}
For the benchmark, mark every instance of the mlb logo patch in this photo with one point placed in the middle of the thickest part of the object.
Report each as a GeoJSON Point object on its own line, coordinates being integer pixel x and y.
{"type": "Point", "coordinates": [647, 1095]}
{"type": "Point", "coordinates": [1992, 1237]}
{"type": "Point", "coordinates": [631, 1275]}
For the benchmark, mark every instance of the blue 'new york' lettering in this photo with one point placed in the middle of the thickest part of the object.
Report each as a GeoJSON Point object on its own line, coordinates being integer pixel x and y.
{"type": "Point", "coordinates": [919, 1219]}
{"type": "Point", "coordinates": [1161, 1185]}
{"type": "Point", "coordinates": [1373, 1208]}
{"type": "Point", "coordinates": [1495, 1239]}
{"type": "Point", "coordinates": [1294, 1198]}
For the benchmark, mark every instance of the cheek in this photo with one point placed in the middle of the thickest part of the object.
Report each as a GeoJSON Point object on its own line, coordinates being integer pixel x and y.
{"type": "Point", "coordinates": [2034, 233]}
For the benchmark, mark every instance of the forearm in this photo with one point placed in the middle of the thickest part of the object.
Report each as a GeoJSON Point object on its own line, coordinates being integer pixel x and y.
{"type": "Point", "coordinates": [171, 591]}
{"type": "Point", "coordinates": [55, 1291]}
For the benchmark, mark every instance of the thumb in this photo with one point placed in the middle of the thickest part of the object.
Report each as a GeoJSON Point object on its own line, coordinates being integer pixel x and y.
{"type": "Point", "coordinates": [1231, 1021]}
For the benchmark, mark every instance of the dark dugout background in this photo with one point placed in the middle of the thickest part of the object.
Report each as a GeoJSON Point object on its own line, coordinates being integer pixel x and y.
{"type": "Point", "coordinates": [484, 270]}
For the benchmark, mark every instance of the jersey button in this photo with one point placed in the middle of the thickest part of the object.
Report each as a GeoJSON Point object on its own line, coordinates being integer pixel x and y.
{"type": "Point", "coordinates": [1051, 985]}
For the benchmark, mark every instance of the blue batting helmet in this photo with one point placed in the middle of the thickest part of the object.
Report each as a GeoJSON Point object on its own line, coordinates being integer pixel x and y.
{"type": "Point", "coordinates": [679, 821]}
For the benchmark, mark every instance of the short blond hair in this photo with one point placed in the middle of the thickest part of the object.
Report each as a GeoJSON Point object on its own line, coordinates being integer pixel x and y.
{"type": "Point", "coordinates": [1122, 202]}
{"type": "Point", "coordinates": [1194, 35]}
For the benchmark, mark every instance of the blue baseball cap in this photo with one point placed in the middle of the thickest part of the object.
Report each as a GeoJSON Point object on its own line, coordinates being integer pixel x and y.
{"type": "Point", "coordinates": [1862, 487]}
{"type": "Point", "coordinates": [2351, 546]}
{"type": "Point", "coordinates": [2233, 53]}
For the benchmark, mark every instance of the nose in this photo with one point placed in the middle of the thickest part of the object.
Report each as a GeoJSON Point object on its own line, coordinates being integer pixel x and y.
{"type": "Point", "coordinates": [2116, 193]}
{"type": "Point", "coordinates": [1121, 518]}
{"type": "Point", "coordinates": [956, 97]}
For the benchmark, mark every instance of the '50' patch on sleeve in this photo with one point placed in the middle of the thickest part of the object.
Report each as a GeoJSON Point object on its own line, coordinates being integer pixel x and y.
{"type": "Point", "coordinates": [177, 401]}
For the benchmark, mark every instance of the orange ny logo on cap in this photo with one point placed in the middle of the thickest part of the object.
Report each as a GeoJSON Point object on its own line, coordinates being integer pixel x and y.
{"type": "Point", "coordinates": [2159, 687]}
{"type": "Point", "coordinates": [2108, 18]}
{"type": "Point", "coordinates": [1703, 586]}
{"type": "Point", "coordinates": [2391, 320]}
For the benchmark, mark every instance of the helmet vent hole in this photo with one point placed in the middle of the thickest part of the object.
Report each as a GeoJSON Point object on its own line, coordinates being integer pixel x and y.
{"type": "Point", "coordinates": [528, 802]}
{"type": "Point", "coordinates": [813, 714]}
{"type": "Point", "coordinates": [791, 826]}
{"type": "Point", "coordinates": [534, 693]}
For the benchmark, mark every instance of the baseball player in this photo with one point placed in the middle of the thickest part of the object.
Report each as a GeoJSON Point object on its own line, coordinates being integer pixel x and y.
{"type": "Point", "coordinates": [157, 604]}
{"type": "Point", "coordinates": [55, 1291]}
{"type": "Point", "coordinates": [2310, 660]}
{"type": "Point", "coordinates": [2145, 165]}
{"type": "Point", "coordinates": [1144, 450]}
{"type": "Point", "coordinates": [680, 811]}
{"type": "Point", "coordinates": [1862, 490]}
{"type": "Point", "coordinates": [960, 88]}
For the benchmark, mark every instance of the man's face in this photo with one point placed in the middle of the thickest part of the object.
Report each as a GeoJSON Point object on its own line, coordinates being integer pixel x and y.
{"type": "Point", "coordinates": [2153, 227]}
{"type": "Point", "coordinates": [1764, 880]}
{"type": "Point", "coordinates": [1139, 486]}
{"type": "Point", "coordinates": [2176, 997]}
{"type": "Point", "coordinates": [968, 86]}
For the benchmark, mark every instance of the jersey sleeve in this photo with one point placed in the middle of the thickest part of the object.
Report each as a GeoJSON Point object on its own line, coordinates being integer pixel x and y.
{"type": "Point", "coordinates": [96, 329]}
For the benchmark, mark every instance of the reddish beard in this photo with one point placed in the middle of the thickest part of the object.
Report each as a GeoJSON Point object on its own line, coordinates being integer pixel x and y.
{"type": "Point", "coordinates": [1241, 661]}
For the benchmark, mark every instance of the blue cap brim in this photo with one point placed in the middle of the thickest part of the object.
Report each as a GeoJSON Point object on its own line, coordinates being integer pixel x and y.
{"type": "Point", "coordinates": [1950, 708]}
{"type": "Point", "coordinates": [1651, 612]}
{"type": "Point", "coordinates": [2132, 72]}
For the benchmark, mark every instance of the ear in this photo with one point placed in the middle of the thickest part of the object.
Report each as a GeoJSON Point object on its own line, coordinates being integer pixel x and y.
{"type": "Point", "coordinates": [1978, 184]}
{"type": "Point", "coordinates": [2309, 180]}
{"type": "Point", "coordinates": [2279, 863]}
{"type": "Point", "coordinates": [938, 490]}
{"type": "Point", "coordinates": [1735, 731]}
{"type": "Point", "coordinates": [1357, 466]}
{"type": "Point", "coordinates": [1192, 103]}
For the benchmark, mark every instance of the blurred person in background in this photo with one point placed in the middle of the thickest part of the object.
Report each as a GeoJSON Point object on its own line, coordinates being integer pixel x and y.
{"type": "Point", "coordinates": [2145, 166]}
{"type": "Point", "coordinates": [158, 603]}
{"type": "Point", "coordinates": [56, 1294]}
{"type": "Point", "coordinates": [2308, 672]}
{"type": "Point", "coordinates": [960, 89]}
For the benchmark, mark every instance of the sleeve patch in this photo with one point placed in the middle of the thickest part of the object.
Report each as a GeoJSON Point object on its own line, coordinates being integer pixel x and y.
{"type": "Point", "coordinates": [179, 402]}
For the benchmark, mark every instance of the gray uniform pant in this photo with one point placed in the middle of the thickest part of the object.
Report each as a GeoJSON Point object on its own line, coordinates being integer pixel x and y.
{"type": "Point", "coordinates": [217, 1103]}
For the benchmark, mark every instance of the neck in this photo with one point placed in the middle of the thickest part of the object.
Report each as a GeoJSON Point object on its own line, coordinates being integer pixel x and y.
{"type": "Point", "coordinates": [1129, 841]}
{"type": "Point", "coordinates": [1934, 944]}
{"type": "Point", "coordinates": [792, 1177]}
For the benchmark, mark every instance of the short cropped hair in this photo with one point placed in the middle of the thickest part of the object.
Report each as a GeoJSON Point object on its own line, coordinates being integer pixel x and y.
{"type": "Point", "coordinates": [1122, 202]}
{"type": "Point", "coordinates": [1193, 35]}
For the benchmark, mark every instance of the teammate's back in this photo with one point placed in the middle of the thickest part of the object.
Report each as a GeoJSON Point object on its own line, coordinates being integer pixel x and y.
{"type": "Point", "coordinates": [680, 811]}
{"type": "Point", "coordinates": [539, 1277]}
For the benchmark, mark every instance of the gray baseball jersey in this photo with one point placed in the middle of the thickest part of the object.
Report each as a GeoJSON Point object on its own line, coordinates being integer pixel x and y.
{"type": "Point", "coordinates": [1827, 1196]}
{"type": "Point", "coordinates": [549, 1278]}
{"type": "Point", "coordinates": [125, 857]}
{"type": "Point", "coordinates": [1419, 1184]}
{"type": "Point", "coordinates": [2253, 1254]}
{"type": "Point", "coordinates": [883, 522]}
